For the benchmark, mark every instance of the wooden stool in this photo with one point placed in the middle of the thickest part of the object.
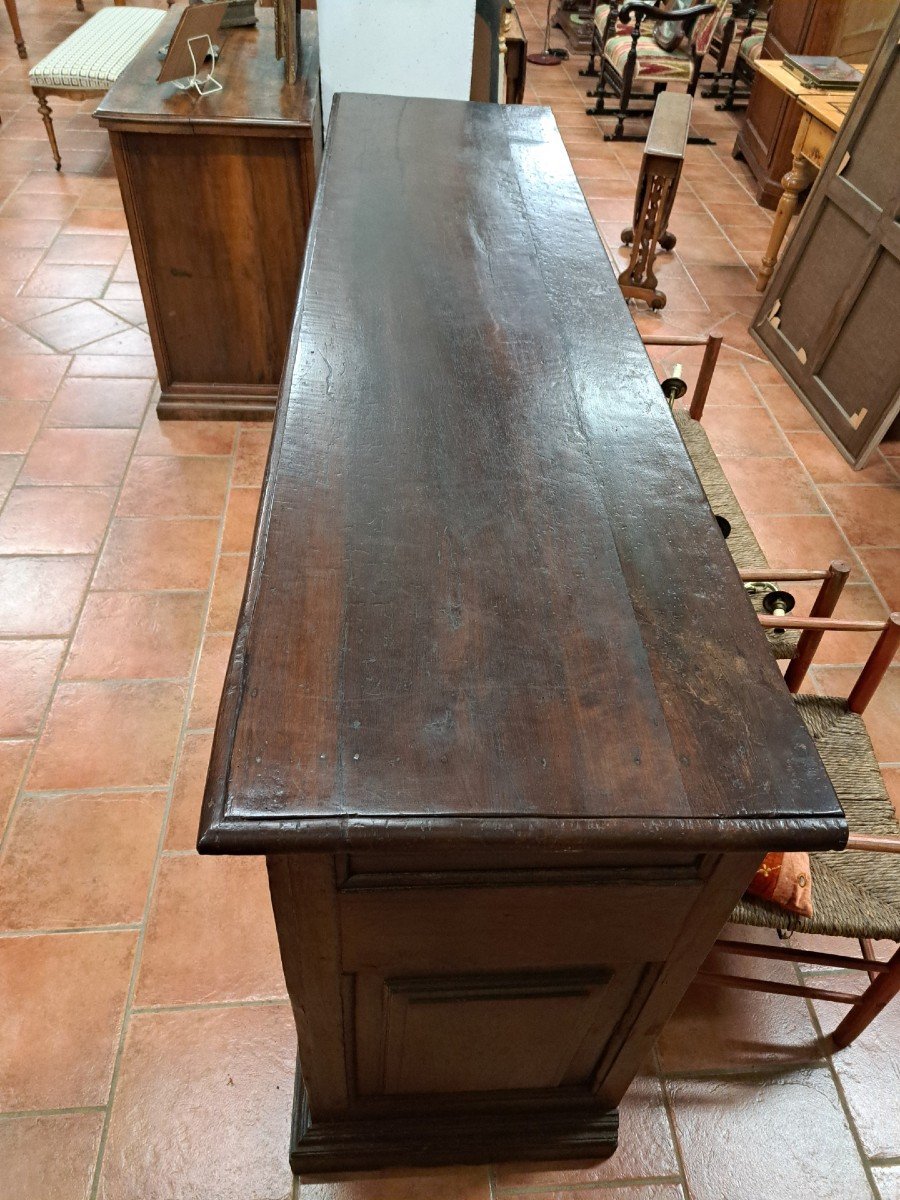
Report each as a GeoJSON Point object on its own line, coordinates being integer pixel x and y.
{"type": "Point", "coordinates": [90, 60]}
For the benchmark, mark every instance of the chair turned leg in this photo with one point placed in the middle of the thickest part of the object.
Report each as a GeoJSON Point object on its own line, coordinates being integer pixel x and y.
{"type": "Point", "coordinates": [47, 118]}
{"type": "Point", "coordinates": [13, 13]}
{"type": "Point", "coordinates": [874, 999]}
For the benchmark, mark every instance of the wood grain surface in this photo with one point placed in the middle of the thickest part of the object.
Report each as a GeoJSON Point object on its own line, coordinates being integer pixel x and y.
{"type": "Point", "coordinates": [488, 599]}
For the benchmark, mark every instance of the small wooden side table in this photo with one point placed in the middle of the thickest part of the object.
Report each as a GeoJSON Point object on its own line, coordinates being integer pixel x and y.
{"type": "Point", "coordinates": [657, 184]}
{"type": "Point", "coordinates": [823, 113]}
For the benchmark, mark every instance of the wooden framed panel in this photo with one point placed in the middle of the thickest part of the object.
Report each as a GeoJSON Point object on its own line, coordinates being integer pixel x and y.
{"type": "Point", "coordinates": [834, 300]}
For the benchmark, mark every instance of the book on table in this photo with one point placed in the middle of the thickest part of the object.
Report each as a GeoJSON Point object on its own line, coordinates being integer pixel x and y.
{"type": "Point", "coordinates": [823, 71]}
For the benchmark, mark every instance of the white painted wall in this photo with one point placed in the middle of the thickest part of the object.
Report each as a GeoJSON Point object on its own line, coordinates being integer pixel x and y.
{"type": "Point", "coordinates": [396, 48]}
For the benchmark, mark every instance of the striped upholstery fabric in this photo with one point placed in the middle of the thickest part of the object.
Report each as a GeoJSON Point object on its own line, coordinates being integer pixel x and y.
{"type": "Point", "coordinates": [751, 47]}
{"type": "Point", "coordinates": [601, 13]}
{"type": "Point", "coordinates": [93, 57]}
{"type": "Point", "coordinates": [706, 27]}
{"type": "Point", "coordinates": [651, 60]}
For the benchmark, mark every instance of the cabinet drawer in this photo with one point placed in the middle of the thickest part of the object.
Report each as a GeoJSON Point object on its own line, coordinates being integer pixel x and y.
{"type": "Point", "coordinates": [510, 928]}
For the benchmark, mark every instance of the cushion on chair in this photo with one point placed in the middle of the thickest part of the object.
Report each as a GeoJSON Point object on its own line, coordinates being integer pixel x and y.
{"type": "Point", "coordinates": [652, 62]}
{"type": "Point", "coordinates": [751, 46]}
{"type": "Point", "coordinates": [93, 57]}
{"type": "Point", "coordinates": [855, 893]}
{"type": "Point", "coordinates": [601, 13]}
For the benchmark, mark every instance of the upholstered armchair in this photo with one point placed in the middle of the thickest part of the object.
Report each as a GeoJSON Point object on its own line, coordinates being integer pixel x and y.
{"type": "Point", "coordinates": [629, 55]}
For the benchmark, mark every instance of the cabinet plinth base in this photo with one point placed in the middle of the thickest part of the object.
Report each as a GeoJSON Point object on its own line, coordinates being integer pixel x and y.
{"type": "Point", "coordinates": [217, 403]}
{"type": "Point", "coordinates": [448, 1138]}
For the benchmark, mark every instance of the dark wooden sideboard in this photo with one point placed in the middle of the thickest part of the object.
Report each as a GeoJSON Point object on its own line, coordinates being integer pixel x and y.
{"type": "Point", "coordinates": [498, 711]}
{"type": "Point", "coordinates": [218, 192]}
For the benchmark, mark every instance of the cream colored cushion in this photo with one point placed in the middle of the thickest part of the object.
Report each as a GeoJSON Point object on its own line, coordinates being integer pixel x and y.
{"type": "Point", "coordinates": [93, 57]}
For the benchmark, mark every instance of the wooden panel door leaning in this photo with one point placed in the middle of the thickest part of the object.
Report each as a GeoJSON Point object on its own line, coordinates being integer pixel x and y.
{"type": "Point", "coordinates": [833, 303]}
{"type": "Point", "coordinates": [498, 711]}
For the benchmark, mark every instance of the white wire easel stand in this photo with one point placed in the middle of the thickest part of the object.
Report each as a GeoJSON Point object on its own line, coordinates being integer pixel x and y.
{"type": "Point", "coordinates": [207, 84]}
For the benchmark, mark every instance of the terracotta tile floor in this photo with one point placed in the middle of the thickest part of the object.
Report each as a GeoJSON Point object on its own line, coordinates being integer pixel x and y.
{"type": "Point", "coordinates": [146, 1049]}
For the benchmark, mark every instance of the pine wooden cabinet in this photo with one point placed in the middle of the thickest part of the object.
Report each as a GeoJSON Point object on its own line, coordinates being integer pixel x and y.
{"type": "Point", "coordinates": [830, 315]}
{"type": "Point", "coordinates": [498, 712]}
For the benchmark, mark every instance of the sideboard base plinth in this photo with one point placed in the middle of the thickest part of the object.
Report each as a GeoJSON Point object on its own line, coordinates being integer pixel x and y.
{"type": "Point", "coordinates": [448, 1138]}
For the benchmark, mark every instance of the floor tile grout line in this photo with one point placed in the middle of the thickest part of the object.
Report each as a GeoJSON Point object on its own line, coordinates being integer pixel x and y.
{"type": "Point", "coordinates": [565, 1187]}
{"type": "Point", "coordinates": [161, 842]}
{"type": "Point", "coordinates": [669, 1108]}
{"type": "Point", "coordinates": [839, 1089]}
{"type": "Point", "coordinates": [143, 1010]}
{"type": "Point", "coordinates": [854, 557]}
{"type": "Point", "coordinates": [25, 1113]}
{"type": "Point", "coordinates": [47, 404]}
{"type": "Point", "coordinates": [56, 931]}
{"type": "Point", "coordinates": [5, 833]}
{"type": "Point", "coordinates": [765, 1071]}
{"type": "Point", "coordinates": [123, 790]}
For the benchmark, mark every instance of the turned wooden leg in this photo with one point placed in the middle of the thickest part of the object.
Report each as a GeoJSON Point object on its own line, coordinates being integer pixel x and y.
{"type": "Point", "coordinates": [47, 118]}
{"type": "Point", "coordinates": [796, 181]}
{"type": "Point", "coordinates": [878, 995]}
{"type": "Point", "coordinates": [13, 14]}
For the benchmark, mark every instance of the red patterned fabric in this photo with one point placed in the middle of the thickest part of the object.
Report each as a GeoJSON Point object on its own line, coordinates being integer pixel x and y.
{"type": "Point", "coordinates": [785, 880]}
{"type": "Point", "coordinates": [706, 27]}
{"type": "Point", "coordinates": [652, 62]}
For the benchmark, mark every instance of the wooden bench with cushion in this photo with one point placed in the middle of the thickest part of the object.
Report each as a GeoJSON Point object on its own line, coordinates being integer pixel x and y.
{"type": "Point", "coordinates": [91, 59]}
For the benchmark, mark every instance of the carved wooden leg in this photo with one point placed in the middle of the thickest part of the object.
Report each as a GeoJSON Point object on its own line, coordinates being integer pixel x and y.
{"type": "Point", "coordinates": [13, 14]}
{"type": "Point", "coordinates": [797, 180]}
{"type": "Point", "coordinates": [47, 118]}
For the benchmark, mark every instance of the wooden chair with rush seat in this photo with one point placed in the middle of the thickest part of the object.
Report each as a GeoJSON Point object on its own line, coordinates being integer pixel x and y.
{"type": "Point", "coordinates": [629, 56]}
{"type": "Point", "coordinates": [856, 891]}
{"type": "Point", "coordinates": [761, 581]}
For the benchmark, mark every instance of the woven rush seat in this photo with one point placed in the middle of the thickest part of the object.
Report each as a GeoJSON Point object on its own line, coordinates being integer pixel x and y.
{"type": "Point", "coordinates": [94, 56]}
{"type": "Point", "coordinates": [742, 543]}
{"type": "Point", "coordinates": [855, 894]}
{"type": "Point", "coordinates": [652, 61]}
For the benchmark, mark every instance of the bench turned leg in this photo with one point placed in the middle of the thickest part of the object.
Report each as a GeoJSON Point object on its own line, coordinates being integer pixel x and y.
{"type": "Point", "coordinates": [13, 14]}
{"type": "Point", "coordinates": [47, 118]}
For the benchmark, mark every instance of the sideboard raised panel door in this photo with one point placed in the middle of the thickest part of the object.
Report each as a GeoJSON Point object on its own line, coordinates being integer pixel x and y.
{"type": "Point", "coordinates": [834, 301]}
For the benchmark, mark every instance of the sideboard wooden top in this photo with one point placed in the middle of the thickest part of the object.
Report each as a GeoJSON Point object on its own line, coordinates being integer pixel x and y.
{"type": "Point", "coordinates": [488, 599]}
{"type": "Point", "coordinates": [253, 92]}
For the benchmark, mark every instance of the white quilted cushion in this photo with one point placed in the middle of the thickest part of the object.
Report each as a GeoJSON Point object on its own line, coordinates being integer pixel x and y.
{"type": "Point", "coordinates": [95, 55]}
